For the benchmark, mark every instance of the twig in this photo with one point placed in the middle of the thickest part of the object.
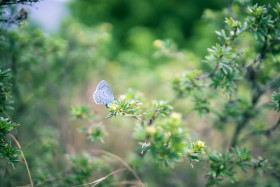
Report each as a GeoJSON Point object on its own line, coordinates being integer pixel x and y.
{"type": "Point", "coordinates": [134, 116]}
{"type": "Point", "coordinates": [101, 179]}
{"type": "Point", "coordinates": [246, 118]}
{"type": "Point", "coordinates": [124, 163]}
{"type": "Point", "coordinates": [151, 120]}
{"type": "Point", "coordinates": [211, 74]}
{"type": "Point", "coordinates": [29, 174]}
{"type": "Point", "coordinates": [125, 182]}
{"type": "Point", "coordinates": [255, 98]}
{"type": "Point", "coordinates": [267, 131]}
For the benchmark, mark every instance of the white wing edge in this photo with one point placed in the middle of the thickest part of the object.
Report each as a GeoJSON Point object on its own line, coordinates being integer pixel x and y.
{"type": "Point", "coordinates": [94, 97]}
{"type": "Point", "coordinates": [96, 91]}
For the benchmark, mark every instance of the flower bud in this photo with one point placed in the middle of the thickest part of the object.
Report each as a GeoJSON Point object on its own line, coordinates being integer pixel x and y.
{"type": "Point", "coordinates": [200, 144]}
{"type": "Point", "coordinates": [151, 130]}
{"type": "Point", "coordinates": [177, 116]}
{"type": "Point", "coordinates": [113, 106]}
{"type": "Point", "coordinates": [158, 44]}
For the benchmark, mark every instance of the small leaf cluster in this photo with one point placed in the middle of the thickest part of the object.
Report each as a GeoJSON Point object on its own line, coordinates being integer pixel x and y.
{"type": "Point", "coordinates": [167, 48]}
{"type": "Point", "coordinates": [7, 150]}
{"type": "Point", "coordinates": [186, 82]}
{"type": "Point", "coordinates": [194, 149]}
{"type": "Point", "coordinates": [82, 169]}
{"type": "Point", "coordinates": [95, 129]}
{"type": "Point", "coordinates": [165, 139]}
{"type": "Point", "coordinates": [259, 21]}
{"type": "Point", "coordinates": [127, 105]}
{"type": "Point", "coordinates": [131, 105]}
{"type": "Point", "coordinates": [81, 112]}
{"type": "Point", "coordinates": [201, 105]}
{"type": "Point", "coordinates": [96, 132]}
{"type": "Point", "coordinates": [225, 72]}
{"type": "Point", "coordinates": [232, 111]}
{"type": "Point", "coordinates": [222, 165]}
{"type": "Point", "coordinates": [276, 101]}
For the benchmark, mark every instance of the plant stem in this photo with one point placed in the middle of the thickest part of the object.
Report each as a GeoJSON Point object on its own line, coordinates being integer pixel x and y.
{"type": "Point", "coordinates": [29, 174]}
{"type": "Point", "coordinates": [266, 132]}
{"type": "Point", "coordinates": [259, 92]}
{"type": "Point", "coordinates": [124, 163]}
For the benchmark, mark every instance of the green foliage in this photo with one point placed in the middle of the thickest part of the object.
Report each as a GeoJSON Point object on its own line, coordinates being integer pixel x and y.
{"type": "Point", "coordinates": [125, 106]}
{"type": "Point", "coordinates": [95, 130]}
{"type": "Point", "coordinates": [223, 164]}
{"type": "Point", "coordinates": [185, 83]}
{"type": "Point", "coordinates": [160, 130]}
{"type": "Point", "coordinates": [81, 171]}
{"type": "Point", "coordinates": [81, 112]}
{"type": "Point", "coordinates": [194, 149]}
{"type": "Point", "coordinates": [82, 168]}
{"type": "Point", "coordinates": [7, 150]}
{"type": "Point", "coordinates": [276, 101]}
{"type": "Point", "coordinates": [243, 71]}
{"type": "Point", "coordinates": [201, 105]}
{"type": "Point", "coordinates": [6, 99]}
{"type": "Point", "coordinates": [165, 139]}
{"type": "Point", "coordinates": [259, 21]}
{"type": "Point", "coordinates": [229, 88]}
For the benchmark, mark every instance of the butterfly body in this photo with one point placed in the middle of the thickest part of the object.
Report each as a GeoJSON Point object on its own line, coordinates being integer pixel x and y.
{"type": "Point", "coordinates": [103, 94]}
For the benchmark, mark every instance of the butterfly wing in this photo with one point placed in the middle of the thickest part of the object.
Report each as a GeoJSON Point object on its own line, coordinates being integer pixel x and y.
{"type": "Point", "coordinates": [103, 93]}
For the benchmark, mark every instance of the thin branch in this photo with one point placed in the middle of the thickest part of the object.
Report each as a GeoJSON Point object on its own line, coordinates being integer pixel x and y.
{"type": "Point", "coordinates": [211, 74]}
{"type": "Point", "coordinates": [124, 163]}
{"type": "Point", "coordinates": [152, 119]}
{"type": "Point", "coordinates": [134, 116]}
{"type": "Point", "coordinates": [256, 97]}
{"type": "Point", "coordinates": [125, 182]}
{"type": "Point", "coordinates": [266, 132]}
{"type": "Point", "coordinates": [246, 118]}
{"type": "Point", "coordinates": [102, 179]}
{"type": "Point", "coordinates": [29, 174]}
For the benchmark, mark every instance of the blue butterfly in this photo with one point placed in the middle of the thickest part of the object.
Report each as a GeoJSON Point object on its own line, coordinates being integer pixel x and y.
{"type": "Point", "coordinates": [103, 94]}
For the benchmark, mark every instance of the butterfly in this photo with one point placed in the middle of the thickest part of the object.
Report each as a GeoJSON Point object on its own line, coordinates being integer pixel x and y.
{"type": "Point", "coordinates": [103, 94]}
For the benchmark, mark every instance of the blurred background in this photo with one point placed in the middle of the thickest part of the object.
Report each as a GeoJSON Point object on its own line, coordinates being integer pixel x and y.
{"type": "Point", "coordinates": [68, 46]}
